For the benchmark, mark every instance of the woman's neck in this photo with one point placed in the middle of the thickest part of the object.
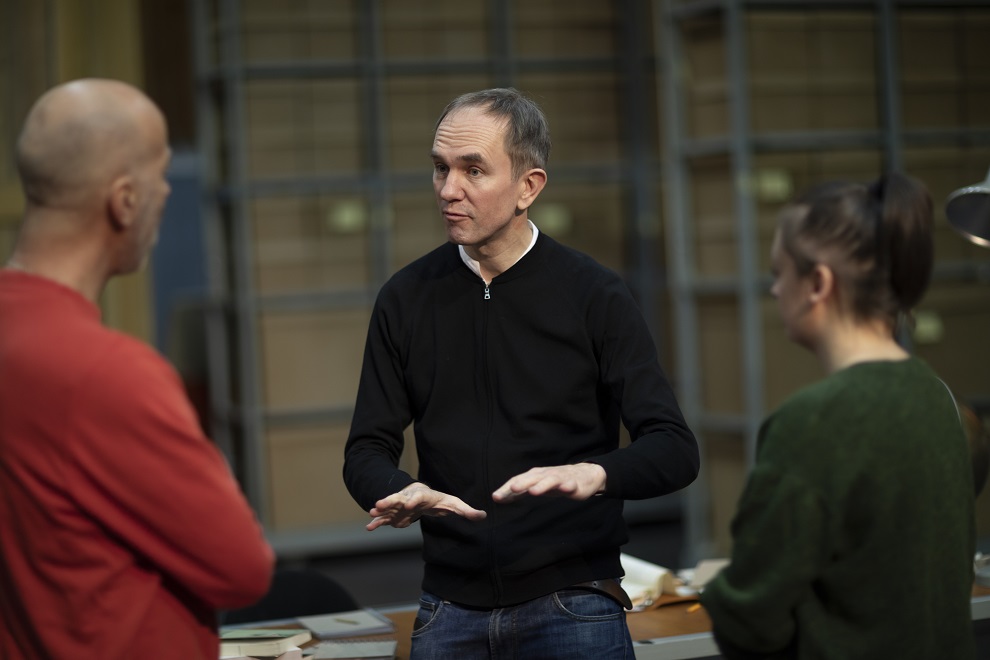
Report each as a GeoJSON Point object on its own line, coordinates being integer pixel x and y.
{"type": "Point", "coordinates": [855, 342]}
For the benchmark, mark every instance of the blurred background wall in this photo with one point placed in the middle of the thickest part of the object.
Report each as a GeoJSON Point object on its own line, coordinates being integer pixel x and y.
{"type": "Point", "coordinates": [301, 180]}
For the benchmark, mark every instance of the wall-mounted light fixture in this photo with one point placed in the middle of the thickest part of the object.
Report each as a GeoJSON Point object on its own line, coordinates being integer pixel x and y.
{"type": "Point", "coordinates": [968, 211]}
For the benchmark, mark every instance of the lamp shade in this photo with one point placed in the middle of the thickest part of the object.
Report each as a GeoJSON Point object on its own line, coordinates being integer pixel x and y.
{"type": "Point", "coordinates": [968, 211]}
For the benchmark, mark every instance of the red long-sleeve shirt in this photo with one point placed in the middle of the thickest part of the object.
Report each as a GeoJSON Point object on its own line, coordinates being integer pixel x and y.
{"type": "Point", "coordinates": [121, 527]}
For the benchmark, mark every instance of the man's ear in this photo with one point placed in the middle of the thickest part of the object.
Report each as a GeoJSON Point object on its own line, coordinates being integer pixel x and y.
{"type": "Point", "coordinates": [122, 204]}
{"type": "Point", "coordinates": [532, 183]}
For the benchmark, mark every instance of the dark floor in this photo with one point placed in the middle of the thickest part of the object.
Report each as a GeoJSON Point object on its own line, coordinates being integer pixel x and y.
{"type": "Point", "coordinates": [382, 579]}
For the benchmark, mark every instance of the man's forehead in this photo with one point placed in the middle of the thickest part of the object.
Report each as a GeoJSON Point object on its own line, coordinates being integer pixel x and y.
{"type": "Point", "coordinates": [469, 139]}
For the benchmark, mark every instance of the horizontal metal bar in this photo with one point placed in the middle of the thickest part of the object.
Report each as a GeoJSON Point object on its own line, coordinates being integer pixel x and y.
{"type": "Point", "coordinates": [936, 137]}
{"type": "Point", "coordinates": [695, 8]}
{"type": "Point", "coordinates": [311, 301]}
{"type": "Point", "coordinates": [943, 271]}
{"type": "Point", "coordinates": [817, 140]}
{"type": "Point", "coordinates": [725, 423]}
{"type": "Point", "coordinates": [961, 271]}
{"type": "Point", "coordinates": [309, 416]}
{"type": "Point", "coordinates": [319, 184]}
{"type": "Point", "coordinates": [721, 285]}
{"type": "Point", "coordinates": [342, 538]}
{"type": "Point", "coordinates": [317, 69]}
{"type": "Point", "coordinates": [718, 145]}
{"type": "Point", "coordinates": [786, 141]}
{"type": "Point", "coordinates": [941, 4]}
{"type": "Point", "coordinates": [303, 70]}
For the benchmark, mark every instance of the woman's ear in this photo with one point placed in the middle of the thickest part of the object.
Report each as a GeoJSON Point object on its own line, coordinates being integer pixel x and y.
{"type": "Point", "coordinates": [822, 279]}
{"type": "Point", "coordinates": [122, 204]}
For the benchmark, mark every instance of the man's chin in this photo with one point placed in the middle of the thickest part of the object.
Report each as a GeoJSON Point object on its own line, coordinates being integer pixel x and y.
{"type": "Point", "coordinates": [456, 237]}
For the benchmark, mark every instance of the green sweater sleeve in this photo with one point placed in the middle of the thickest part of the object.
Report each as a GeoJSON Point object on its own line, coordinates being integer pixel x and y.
{"type": "Point", "coordinates": [778, 548]}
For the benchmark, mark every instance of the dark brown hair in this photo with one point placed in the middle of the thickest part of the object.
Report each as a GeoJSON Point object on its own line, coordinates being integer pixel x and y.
{"type": "Point", "coordinates": [877, 238]}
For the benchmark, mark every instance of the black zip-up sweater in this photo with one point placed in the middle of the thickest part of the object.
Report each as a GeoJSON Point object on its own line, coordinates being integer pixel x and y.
{"type": "Point", "coordinates": [536, 369]}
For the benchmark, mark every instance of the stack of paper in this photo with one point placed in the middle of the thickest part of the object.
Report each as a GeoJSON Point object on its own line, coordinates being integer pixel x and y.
{"type": "Point", "coordinates": [645, 582]}
{"type": "Point", "coordinates": [705, 571]}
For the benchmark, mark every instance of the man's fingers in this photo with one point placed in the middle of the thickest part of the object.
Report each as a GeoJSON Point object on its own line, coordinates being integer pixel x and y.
{"type": "Point", "coordinates": [519, 485]}
{"type": "Point", "coordinates": [377, 522]}
{"type": "Point", "coordinates": [573, 481]}
{"type": "Point", "coordinates": [470, 513]}
{"type": "Point", "coordinates": [404, 508]}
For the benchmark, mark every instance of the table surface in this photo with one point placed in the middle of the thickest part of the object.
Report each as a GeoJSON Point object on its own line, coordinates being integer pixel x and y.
{"type": "Point", "coordinates": [673, 631]}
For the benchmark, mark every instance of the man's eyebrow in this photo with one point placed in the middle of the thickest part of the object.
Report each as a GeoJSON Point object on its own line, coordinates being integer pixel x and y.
{"type": "Point", "coordinates": [467, 158]}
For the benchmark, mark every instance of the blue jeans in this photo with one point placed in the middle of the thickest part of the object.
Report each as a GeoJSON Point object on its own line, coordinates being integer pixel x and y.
{"type": "Point", "coordinates": [569, 625]}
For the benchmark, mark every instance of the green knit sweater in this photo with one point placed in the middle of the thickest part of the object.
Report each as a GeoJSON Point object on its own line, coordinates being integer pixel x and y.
{"type": "Point", "coordinates": [854, 536]}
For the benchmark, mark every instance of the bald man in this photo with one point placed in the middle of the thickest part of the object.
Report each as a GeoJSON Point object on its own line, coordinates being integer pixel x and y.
{"type": "Point", "coordinates": [122, 530]}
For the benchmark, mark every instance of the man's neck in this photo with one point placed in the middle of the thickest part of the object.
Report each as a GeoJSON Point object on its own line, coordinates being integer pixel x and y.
{"type": "Point", "coordinates": [495, 258]}
{"type": "Point", "coordinates": [62, 271]}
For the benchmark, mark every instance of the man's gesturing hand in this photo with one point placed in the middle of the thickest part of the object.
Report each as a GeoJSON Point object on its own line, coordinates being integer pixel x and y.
{"type": "Point", "coordinates": [405, 507]}
{"type": "Point", "coordinates": [578, 482]}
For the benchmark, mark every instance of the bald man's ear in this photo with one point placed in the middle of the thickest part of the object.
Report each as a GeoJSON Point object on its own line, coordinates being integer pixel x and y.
{"type": "Point", "coordinates": [123, 202]}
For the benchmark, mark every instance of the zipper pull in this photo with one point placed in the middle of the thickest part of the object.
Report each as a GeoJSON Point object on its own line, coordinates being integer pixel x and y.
{"type": "Point", "coordinates": [488, 293]}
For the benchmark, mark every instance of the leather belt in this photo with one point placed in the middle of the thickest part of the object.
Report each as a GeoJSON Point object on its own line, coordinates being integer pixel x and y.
{"type": "Point", "coordinates": [610, 588]}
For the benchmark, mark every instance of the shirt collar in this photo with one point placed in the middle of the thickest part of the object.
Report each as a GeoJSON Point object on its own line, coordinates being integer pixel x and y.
{"type": "Point", "coordinates": [476, 267]}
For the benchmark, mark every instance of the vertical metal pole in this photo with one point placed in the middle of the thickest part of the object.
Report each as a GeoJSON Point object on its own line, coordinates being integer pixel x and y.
{"type": "Point", "coordinates": [890, 104]}
{"type": "Point", "coordinates": [503, 62]}
{"type": "Point", "coordinates": [642, 221]}
{"type": "Point", "coordinates": [218, 367]}
{"type": "Point", "coordinates": [746, 227]}
{"type": "Point", "coordinates": [890, 101]}
{"type": "Point", "coordinates": [680, 259]}
{"type": "Point", "coordinates": [245, 307]}
{"type": "Point", "coordinates": [377, 143]}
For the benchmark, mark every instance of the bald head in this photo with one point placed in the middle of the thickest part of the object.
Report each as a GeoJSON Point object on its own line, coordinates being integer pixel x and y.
{"type": "Point", "coordinates": [80, 136]}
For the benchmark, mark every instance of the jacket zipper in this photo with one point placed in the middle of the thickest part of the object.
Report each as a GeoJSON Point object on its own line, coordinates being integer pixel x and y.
{"type": "Point", "coordinates": [492, 554]}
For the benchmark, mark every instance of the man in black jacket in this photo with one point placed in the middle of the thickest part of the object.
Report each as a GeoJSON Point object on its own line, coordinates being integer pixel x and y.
{"type": "Point", "coordinates": [515, 358]}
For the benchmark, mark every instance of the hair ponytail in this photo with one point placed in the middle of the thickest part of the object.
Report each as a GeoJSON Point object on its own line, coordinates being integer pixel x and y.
{"type": "Point", "coordinates": [905, 247]}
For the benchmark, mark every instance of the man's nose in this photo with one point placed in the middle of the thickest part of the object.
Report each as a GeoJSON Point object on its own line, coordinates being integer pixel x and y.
{"type": "Point", "coordinates": [451, 188]}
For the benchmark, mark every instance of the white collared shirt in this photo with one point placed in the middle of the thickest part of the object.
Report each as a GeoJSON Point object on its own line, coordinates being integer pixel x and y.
{"type": "Point", "coordinates": [476, 267]}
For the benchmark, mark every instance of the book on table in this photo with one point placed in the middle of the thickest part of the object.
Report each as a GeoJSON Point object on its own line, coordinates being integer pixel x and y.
{"type": "Point", "coordinates": [351, 648]}
{"type": "Point", "coordinates": [352, 623]}
{"type": "Point", "coordinates": [295, 653]}
{"type": "Point", "coordinates": [261, 642]}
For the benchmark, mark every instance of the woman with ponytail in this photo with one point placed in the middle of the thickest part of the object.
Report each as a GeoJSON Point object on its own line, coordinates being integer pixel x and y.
{"type": "Point", "coordinates": [854, 536]}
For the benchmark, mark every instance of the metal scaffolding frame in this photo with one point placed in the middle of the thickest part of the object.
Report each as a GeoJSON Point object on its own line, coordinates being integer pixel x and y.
{"type": "Point", "coordinates": [748, 286]}
{"type": "Point", "coordinates": [238, 414]}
